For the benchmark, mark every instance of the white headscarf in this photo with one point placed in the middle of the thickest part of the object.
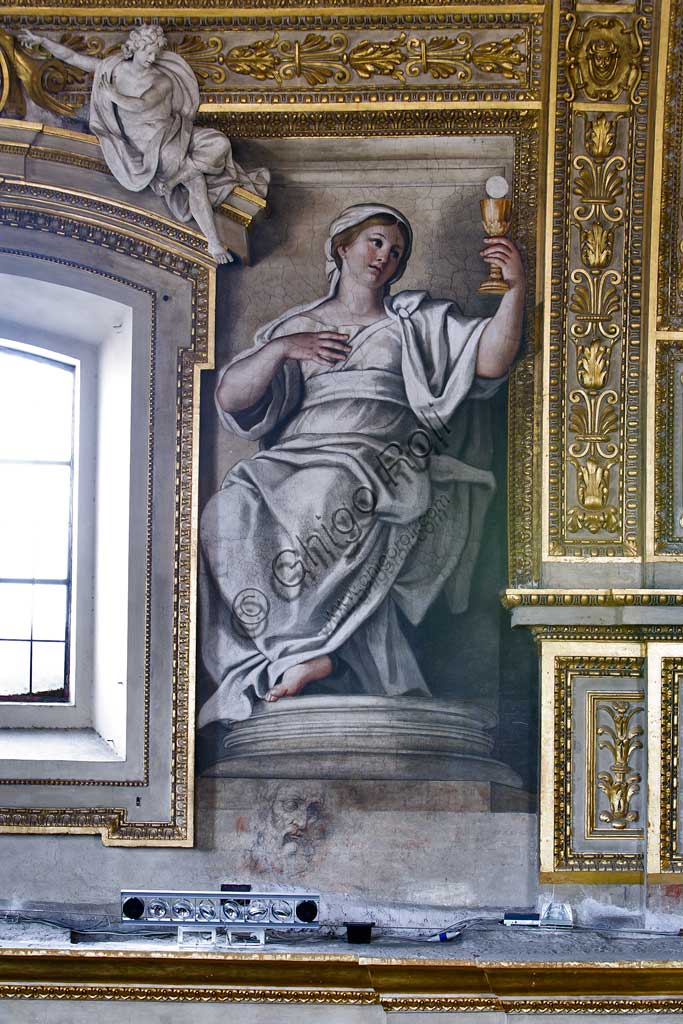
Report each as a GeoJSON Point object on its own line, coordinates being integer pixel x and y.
{"type": "Point", "coordinates": [349, 218]}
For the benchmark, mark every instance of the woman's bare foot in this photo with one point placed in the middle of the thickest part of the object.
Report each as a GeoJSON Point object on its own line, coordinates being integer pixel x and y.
{"type": "Point", "coordinates": [296, 678]}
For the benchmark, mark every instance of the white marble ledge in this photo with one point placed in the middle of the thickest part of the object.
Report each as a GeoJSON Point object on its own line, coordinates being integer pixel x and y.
{"type": "Point", "coordinates": [55, 745]}
{"type": "Point", "coordinates": [483, 946]}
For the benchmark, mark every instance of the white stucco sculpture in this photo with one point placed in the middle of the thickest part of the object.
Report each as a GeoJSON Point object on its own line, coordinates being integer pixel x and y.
{"type": "Point", "coordinates": [143, 105]}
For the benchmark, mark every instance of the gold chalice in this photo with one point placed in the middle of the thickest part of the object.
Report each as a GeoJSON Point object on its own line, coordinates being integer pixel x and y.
{"type": "Point", "coordinates": [495, 214]}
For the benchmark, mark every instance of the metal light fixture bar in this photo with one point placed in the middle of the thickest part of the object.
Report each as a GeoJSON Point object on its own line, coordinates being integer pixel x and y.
{"type": "Point", "coordinates": [165, 909]}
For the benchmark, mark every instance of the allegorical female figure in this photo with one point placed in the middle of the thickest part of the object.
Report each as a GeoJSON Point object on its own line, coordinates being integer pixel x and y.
{"type": "Point", "coordinates": [142, 109]}
{"type": "Point", "coordinates": [368, 495]}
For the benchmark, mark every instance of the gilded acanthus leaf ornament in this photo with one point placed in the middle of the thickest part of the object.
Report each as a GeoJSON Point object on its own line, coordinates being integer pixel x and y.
{"type": "Point", "coordinates": [319, 58]}
{"type": "Point", "coordinates": [501, 57]}
{"type": "Point", "coordinates": [621, 782]}
{"type": "Point", "coordinates": [597, 244]}
{"type": "Point", "coordinates": [372, 58]}
{"type": "Point", "coordinates": [595, 302]}
{"type": "Point", "coordinates": [592, 367]}
{"type": "Point", "coordinates": [600, 137]}
{"type": "Point", "coordinates": [42, 80]}
{"type": "Point", "coordinates": [259, 60]}
{"type": "Point", "coordinates": [604, 58]}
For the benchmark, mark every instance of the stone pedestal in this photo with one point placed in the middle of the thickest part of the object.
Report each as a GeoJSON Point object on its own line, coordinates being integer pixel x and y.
{"type": "Point", "coordinates": [359, 737]}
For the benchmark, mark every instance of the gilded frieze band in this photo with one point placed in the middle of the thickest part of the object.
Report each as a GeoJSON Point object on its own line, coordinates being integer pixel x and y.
{"type": "Point", "coordinates": [321, 59]}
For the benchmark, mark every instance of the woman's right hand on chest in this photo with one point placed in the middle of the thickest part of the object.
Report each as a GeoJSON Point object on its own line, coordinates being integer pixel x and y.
{"type": "Point", "coordinates": [324, 347]}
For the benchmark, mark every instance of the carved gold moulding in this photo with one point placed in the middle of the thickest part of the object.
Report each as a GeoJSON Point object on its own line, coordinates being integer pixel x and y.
{"type": "Point", "coordinates": [609, 598]}
{"type": "Point", "coordinates": [343, 978]}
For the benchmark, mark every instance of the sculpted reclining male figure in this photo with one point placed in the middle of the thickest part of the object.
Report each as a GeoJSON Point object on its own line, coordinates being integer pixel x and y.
{"type": "Point", "coordinates": [142, 109]}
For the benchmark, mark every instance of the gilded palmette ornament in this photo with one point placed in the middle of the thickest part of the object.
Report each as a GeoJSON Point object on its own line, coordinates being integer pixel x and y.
{"type": "Point", "coordinates": [621, 782]}
{"type": "Point", "coordinates": [595, 301]}
{"type": "Point", "coordinates": [205, 57]}
{"type": "Point", "coordinates": [593, 417]}
{"type": "Point", "coordinates": [455, 56]}
{"type": "Point", "coordinates": [604, 58]}
{"type": "Point", "coordinates": [316, 58]}
{"type": "Point", "coordinates": [441, 57]}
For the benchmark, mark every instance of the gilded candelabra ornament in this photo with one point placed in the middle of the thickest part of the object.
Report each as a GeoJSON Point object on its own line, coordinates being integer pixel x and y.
{"type": "Point", "coordinates": [621, 782]}
{"type": "Point", "coordinates": [595, 302]}
{"type": "Point", "coordinates": [603, 58]}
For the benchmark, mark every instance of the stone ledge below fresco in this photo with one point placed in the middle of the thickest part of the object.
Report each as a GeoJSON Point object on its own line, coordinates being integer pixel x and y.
{"type": "Point", "coordinates": [347, 737]}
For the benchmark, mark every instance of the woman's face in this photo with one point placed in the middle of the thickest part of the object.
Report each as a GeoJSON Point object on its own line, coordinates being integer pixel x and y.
{"type": "Point", "coordinates": [374, 256]}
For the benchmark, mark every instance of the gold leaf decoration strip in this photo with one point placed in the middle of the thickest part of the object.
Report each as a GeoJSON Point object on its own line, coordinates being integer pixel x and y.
{"type": "Point", "coordinates": [566, 858]}
{"type": "Point", "coordinates": [501, 62]}
{"type": "Point", "coordinates": [670, 242]}
{"type": "Point", "coordinates": [610, 726]}
{"type": "Point", "coordinates": [668, 456]}
{"type": "Point", "coordinates": [670, 845]}
{"type": "Point", "coordinates": [594, 505]}
{"type": "Point", "coordinates": [320, 58]}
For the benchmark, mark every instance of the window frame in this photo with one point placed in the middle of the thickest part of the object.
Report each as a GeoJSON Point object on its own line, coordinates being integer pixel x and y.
{"type": "Point", "coordinates": [76, 711]}
{"type": "Point", "coordinates": [63, 361]}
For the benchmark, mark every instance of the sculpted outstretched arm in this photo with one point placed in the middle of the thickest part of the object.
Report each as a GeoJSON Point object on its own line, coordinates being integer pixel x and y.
{"type": "Point", "coordinates": [65, 53]}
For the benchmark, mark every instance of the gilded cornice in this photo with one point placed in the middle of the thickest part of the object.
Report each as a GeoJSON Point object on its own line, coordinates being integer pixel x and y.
{"type": "Point", "coordinates": [644, 986]}
{"type": "Point", "coordinates": [315, 55]}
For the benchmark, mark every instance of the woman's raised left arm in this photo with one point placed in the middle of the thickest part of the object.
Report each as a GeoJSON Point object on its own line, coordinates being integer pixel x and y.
{"type": "Point", "coordinates": [500, 339]}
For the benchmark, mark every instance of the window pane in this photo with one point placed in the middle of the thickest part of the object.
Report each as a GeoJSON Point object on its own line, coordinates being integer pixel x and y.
{"type": "Point", "coordinates": [49, 612]}
{"type": "Point", "coordinates": [36, 408]}
{"type": "Point", "coordinates": [34, 521]}
{"type": "Point", "coordinates": [15, 611]}
{"type": "Point", "coordinates": [48, 667]}
{"type": "Point", "coordinates": [15, 663]}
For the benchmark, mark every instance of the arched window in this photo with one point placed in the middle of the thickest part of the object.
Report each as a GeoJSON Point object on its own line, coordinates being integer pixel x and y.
{"type": "Point", "coordinates": [38, 440]}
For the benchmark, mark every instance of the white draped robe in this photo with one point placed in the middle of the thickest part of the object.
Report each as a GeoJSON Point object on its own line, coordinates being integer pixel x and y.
{"type": "Point", "coordinates": [368, 496]}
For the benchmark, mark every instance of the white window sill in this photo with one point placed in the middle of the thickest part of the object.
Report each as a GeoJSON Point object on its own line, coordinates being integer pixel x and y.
{"type": "Point", "coordinates": [55, 745]}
